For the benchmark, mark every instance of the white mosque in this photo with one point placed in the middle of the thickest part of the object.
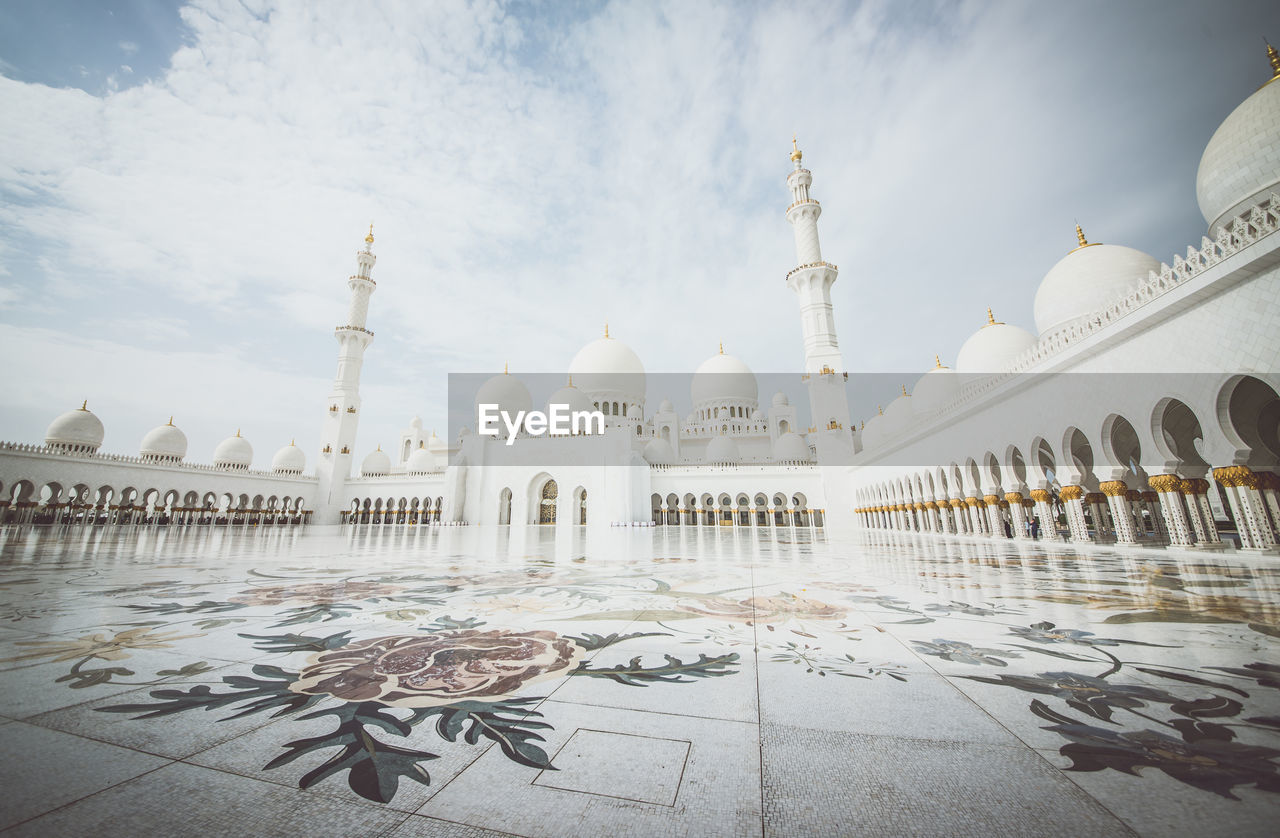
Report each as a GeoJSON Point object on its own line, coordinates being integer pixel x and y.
{"type": "Point", "coordinates": [1005, 445]}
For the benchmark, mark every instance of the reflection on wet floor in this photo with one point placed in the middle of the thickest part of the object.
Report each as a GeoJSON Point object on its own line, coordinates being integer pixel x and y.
{"type": "Point", "coordinates": [691, 680]}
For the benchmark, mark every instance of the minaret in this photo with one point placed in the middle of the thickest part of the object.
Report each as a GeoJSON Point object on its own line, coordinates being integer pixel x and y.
{"type": "Point", "coordinates": [812, 280]}
{"type": "Point", "coordinates": [342, 415]}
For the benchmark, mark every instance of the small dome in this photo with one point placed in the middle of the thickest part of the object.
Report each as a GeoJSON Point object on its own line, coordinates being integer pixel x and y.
{"type": "Point", "coordinates": [873, 432]}
{"type": "Point", "coordinates": [608, 366]}
{"type": "Point", "coordinates": [723, 378]}
{"type": "Point", "coordinates": [76, 430]}
{"type": "Point", "coordinates": [420, 461]}
{"type": "Point", "coordinates": [289, 460]}
{"type": "Point", "coordinates": [233, 452]}
{"type": "Point", "coordinates": [575, 399]}
{"type": "Point", "coordinates": [658, 452]}
{"type": "Point", "coordinates": [435, 443]}
{"type": "Point", "coordinates": [1240, 165]}
{"type": "Point", "coordinates": [780, 399]}
{"type": "Point", "coordinates": [993, 347]}
{"type": "Point", "coordinates": [666, 407]}
{"type": "Point", "coordinates": [165, 444]}
{"type": "Point", "coordinates": [376, 464]}
{"type": "Point", "coordinates": [508, 393]}
{"type": "Point", "coordinates": [790, 448]}
{"type": "Point", "coordinates": [1088, 279]}
{"type": "Point", "coordinates": [899, 412]}
{"type": "Point", "coordinates": [722, 450]}
{"type": "Point", "coordinates": [934, 389]}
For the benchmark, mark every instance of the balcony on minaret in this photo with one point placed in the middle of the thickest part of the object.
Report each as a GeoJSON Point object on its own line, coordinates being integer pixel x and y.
{"type": "Point", "coordinates": [338, 329]}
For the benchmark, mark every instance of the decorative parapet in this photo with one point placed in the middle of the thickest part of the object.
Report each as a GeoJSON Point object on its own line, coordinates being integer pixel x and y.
{"type": "Point", "coordinates": [1247, 228]}
{"type": "Point", "coordinates": [337, 329]}
{"type": "Point", "coordinates": [124, 459]}
{"type": "Point", "coordinates": [800, 268]}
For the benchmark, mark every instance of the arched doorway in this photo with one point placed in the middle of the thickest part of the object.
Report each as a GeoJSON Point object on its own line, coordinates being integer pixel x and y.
{"type": "Point", "coordinates": [504, 507]}
{"type": "Point", "coordinates": [547, 504]}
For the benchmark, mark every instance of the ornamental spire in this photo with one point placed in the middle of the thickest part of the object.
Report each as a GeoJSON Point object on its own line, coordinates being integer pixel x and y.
{"type": "Point", "coordinates": [991, 318]}
{"type": "Point", "coordinates": [937, 362]}
{"type": "Point", "coordinates": [1274, 58]}
{"type": "Point", "coordinates": [606, 328]}
{"type": "Point", "coordinates": [1080, 237]}
{"type": "Point", "coordinates": [369, 238]}
{"type": "Point", "coordinates": [721, 347]}
{"type": "Point", "coordinates": [796, 153]}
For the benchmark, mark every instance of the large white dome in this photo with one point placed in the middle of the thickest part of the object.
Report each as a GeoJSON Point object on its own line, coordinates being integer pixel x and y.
{"type": "Point", "coordinates": [608, 366]}
{"type": "Point", "coordinates": [289, 460]}
{"type": "Point", "coordinates": [790, 448]}
{"type": "Point", "coordinates": [1088, 279]}
{"type": "Point", "coordinates": [993, 347]}
{"type": "Point", "coordinates": [723, 378]}
{"type": "Point", "coordinates": [722, 450]}
{"type": "Point", "coordinates": [76, 430]}
{"type": "Point", "coordinates": [165, 444]}
{"type": "Point", "coordinates": [233, 452]}
{"type": "Point", "coordinates": [1241, 163]}
{"type": "Point", "coordinates": [508, 393]}
{"type": "Point", "coordinates": [658, 452]}
{"type": "Point", "coordinates": [377, 463]}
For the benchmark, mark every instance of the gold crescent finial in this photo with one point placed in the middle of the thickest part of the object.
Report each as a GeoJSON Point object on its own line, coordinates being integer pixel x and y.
{"type": "Point", "coordinates": [1274, 58]}
{"type": "Point", "coordinates": [937, 362]}
{"type": "Point", "coordinates": [85, 405]}
{"type": "Point", "coordinates": [369, 238]}
{"type": "Point", "coordinates": [904, 389]}
{"type": "Point", "coordinates": [237, 432]}
{"type": "Point", "coordinates": [293, 443]}
{"type": "Point", "coordinates": [879, 410]}
{"type": "Point", "coordinates": [721, 347]}
{"type": "Point", "coordinates": [570, 379]}
{"type": "Point", "coordinates": [796, 153]}
{"type": "Point", "coordinates": [505, 370]}
{"type": "Point", "coordinates": [379, 446]}
{"type": "Point", "coordinates": [1080, 237]}
{"type": "Point", "coordinates": [606, 328]}
{"type": "Point", "coordinates": [170, 420]}
{"type": "Point", "coordinates": [991, 318]}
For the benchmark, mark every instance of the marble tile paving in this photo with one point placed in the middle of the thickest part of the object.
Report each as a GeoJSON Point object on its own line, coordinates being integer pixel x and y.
{"type": "Point", "coordinates": [674, 681]}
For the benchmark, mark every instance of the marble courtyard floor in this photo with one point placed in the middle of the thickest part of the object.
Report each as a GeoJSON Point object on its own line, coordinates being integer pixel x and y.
{"type": "Point", "coordinates": [631, 682]}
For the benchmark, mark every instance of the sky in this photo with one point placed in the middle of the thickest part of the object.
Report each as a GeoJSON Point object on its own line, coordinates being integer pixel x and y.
{"type": "Point", "coordinates": [184, 186]}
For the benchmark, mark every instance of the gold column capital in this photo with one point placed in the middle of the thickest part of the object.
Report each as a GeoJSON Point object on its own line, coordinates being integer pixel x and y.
{"type": "Point", "coordinates": [1236, 476]}
{"type": "Point", "coordinates": [1165, 482]}
{"type": "Point", "coordinates": [1040, 496]}
{"type": "Point", "coordinates": [1071, 493]}
{"type": "Point", "coordinates": [991, 499]}
{"type": "Point", "coordinates": [1113, 488]}
{"type": "Point", "coordinates": [1013, 497]}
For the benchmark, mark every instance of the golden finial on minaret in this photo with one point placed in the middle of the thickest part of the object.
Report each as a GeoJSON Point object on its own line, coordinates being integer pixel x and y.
{"type": "Point", "coordinates": [606, 328]}
{"type": "Point", "coordinates": [171, 421]}
{"type": "Point", "coordinates": [721, 347]}
{"type": "Point", "coordinates": [505, 370]}
{"type": "Point", "coordinates": [570, 379]}
{"type": "Point", "coordinates": [904, 389]}
{"type": "Point", "coordinates": [293, 442]}
{"type": "Point", "coordinates": [1080, 237]}
{"type": "Point", "coordinates": [237, 432]}
{"type": "Point", "coordinates": [1274, 58]}
{"type": "Point", "coordinates": [879, 410]}
{"type": "Point", "coordinates": [369, 238]}
{"type": "Point", "coordinates": [796, 153]}
{"type": "Point", "coordinates": [991, 318]}
{"type": "Point", "coordinates": [937, 362]}
{"type": "Point", "coordinates": [85, 406]}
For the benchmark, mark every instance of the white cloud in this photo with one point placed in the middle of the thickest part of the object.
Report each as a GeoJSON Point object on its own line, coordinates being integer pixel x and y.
{"type": "Point", "coordinates": [128, 47]}
{"type": "Point", "coordinates": [531, 177]}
